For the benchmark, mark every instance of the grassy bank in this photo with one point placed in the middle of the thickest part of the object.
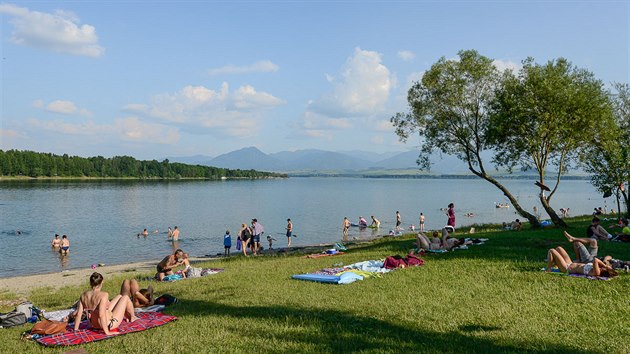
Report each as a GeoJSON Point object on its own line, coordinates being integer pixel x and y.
{"type": "Point", "coordinates": [490, 298]}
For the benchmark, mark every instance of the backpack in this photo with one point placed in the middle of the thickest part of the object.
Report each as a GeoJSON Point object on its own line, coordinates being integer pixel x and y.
{"type": "Point", "coordinates": [193, 272]}
{"type": "Point", "coordinates": [12, 319]}
{"type": "Point", "coordinates": [166, 300]}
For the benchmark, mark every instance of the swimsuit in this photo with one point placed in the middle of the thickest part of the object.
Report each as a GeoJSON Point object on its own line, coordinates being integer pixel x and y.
{"type": "Point", "coordinates": [65, 248]}
{"type": "Point", "coordinates": [588, 267]}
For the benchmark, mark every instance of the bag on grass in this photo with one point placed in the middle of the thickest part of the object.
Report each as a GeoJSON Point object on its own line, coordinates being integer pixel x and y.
{"type": "Point", "coordinates": [193, 272]}
{"type": "Point", "coordinates": [166, 300]}
{"type": "Point", "coordinates": [46, 327]}
{"type": "Point", "coordinates": [238, 244]}
{"type": "Point", "coordinates": [393, 262]}
{"type": "Point", "coordinates": [12, 319]}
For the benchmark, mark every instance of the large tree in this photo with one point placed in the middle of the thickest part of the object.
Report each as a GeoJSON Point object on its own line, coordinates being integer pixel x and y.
{"type": "Point", "coordinates": [608, 160]}
{"type": "Point", "coordinates": [449, 111]}
{"type": "Point", "coordinates": [542, 117]}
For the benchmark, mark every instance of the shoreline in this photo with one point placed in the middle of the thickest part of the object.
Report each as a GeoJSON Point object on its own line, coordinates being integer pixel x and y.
{"type": "Point", "coordinates": [22, 285]}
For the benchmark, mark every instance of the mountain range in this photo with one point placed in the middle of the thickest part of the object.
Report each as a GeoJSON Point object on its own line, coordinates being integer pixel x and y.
{"type": "Point", "coordinates": [312, 161]}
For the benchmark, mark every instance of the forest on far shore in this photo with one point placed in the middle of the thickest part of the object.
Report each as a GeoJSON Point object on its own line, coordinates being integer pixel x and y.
{"type": "Point", "coordinates": [39, 164]}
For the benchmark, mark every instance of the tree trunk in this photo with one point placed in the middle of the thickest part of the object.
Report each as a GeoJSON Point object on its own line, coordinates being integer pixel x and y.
{"type": "Point", "coordinates": [552, 213]}
{"type": "Point", "coordinates": [533, 220]}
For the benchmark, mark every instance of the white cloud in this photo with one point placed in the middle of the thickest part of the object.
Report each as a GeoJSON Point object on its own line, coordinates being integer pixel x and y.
{"type": "Point", "coordinates": [264, 66]}
{"type": "Point", "coordinates": [503, 65]}
{"type": "Point", "coordinates": [202, 110]}
{"type": "Point", "coordinates": [60, 32]}
{"type": "Point", "coordinates": [363, 87]}
{"type": "Point", "coordinates": [406, 55]}
{"type": "Point", "coordinates": [122, 129]}
{"type": "Point", "coordinates": [62, 107]}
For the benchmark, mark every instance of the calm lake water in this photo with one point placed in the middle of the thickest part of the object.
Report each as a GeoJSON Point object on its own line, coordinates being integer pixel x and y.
{"type": "Point", "coordinates": [102, 219]}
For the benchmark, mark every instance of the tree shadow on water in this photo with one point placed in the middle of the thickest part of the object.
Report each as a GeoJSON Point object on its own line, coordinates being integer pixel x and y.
{"type": "Point", "coordinates": [328, 330]}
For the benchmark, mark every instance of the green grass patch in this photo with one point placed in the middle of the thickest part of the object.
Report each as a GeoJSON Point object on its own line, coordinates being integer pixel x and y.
{"type": "Point", "coordinates": [489, 298]}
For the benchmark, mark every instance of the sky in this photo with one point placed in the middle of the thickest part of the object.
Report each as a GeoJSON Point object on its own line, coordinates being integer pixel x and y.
{"type": "Point", "coordinates": [152, 79]}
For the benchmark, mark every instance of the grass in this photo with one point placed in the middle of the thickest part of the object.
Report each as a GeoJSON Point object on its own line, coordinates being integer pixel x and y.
{"type": "Point", "coordinates": [490, 298]}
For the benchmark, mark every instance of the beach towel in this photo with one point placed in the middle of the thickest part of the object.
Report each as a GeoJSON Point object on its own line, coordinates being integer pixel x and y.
{"type": "Point", "coordinates": [318, 255]}
{"type": "Point", "coordinates": [145, 321]}
{"type": "Point", "coordinates": [589, 277]}
{"type": "Point", "coordinates": [344, 278]}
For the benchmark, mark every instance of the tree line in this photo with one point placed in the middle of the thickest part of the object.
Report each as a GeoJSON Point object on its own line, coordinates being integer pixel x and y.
{"type": "Point", "coordinates": [548, 117]}
{"type": "Point", "coordinates": [38, 164]}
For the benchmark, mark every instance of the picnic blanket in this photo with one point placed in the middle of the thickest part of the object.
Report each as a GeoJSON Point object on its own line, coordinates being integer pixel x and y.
{"type": "Point", "coordinates": [318, 255]}
{"type": "Point", "coordinates": [589, 277]}
{"type": "Point", "coordinates": [191, 272]}
{"type": "Point", "coordinates": [59, 315]}
{"type": "Point", "coordinates": [145, 321]}
{"type": "Point", "coordinates": [347, 274]}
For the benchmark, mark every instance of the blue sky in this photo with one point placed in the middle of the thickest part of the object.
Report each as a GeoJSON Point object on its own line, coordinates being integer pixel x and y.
{"type": "Point", "coordinates": [154, 79]}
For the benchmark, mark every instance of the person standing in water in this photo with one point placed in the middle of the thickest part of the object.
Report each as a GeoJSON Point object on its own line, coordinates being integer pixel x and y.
{"type": "Point", "coordinates": [65, 245]}
{"type": "Point", "coordinates": [421, 222]}
{"type": "Point", "coordinates": [451, 215]}
{"type": "Point", "coordinates": [398, 221]}
{"type": "Point", "coordinates": [289, 232]}
{"type": "Point", "coordinates": [170, 233]}
{"type": "Point", "coordinates": [175, 234]}
{"type": "Point", "coordinates": [346, 226]}
{"type": "Point", "coordinates": [56, 242]}
{"type": "Point", "coordinates": [375, 223]}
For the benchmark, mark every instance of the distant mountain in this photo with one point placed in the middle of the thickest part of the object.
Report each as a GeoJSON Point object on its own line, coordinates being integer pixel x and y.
{"type": "Point", "coordinates": [316, 160]}
{"type": "Point", "coordinates": [369, 156]}
{"type": "Point", "coordinates": [245, 159]}
{"type": "Point", "coordinates": [191, 160]}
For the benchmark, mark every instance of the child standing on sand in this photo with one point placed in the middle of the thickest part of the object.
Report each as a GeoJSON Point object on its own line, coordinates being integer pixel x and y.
{"type": "Point", "coordinates": [271, 239]}
{"type": "Point", "coordinates": [227, 242]}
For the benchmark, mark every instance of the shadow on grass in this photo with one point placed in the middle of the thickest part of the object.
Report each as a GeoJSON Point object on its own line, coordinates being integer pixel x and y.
{"type": "Point", "coordinates": [326, 330]}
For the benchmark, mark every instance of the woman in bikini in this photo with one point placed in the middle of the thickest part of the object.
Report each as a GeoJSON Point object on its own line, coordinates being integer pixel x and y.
{"type": "Point", "coordinates": [102, 313]}
{"type": "Point", "coordinates": [560, 258]}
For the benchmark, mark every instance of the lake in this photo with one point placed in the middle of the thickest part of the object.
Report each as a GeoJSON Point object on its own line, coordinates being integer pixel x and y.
{"type": "Point", "coordinates": [102, 218]}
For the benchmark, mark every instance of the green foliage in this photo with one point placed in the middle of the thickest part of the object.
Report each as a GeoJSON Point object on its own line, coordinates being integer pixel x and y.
{"type": "Point", "coordinates": [608, 160]}
{"type": "Point", "coordinates": [489, 298]}
{"type": "Point", "coordinates": [546, 114]}
{"type": "Point", "coordinates": [35, 164]}
{"type": "Point", "coordinates": [449, 108]}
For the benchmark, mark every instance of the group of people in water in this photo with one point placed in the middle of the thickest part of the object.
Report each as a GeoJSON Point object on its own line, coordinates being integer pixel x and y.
{"type": "Point", "coordinates": [61, 244]}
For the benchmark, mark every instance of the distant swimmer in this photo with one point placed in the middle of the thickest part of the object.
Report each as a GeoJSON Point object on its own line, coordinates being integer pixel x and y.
{"type": "Point", "coordinates": [375, 222]}
{"type": "Point", "coordinates": [175, 234]}
{"type": "Point", "coordinates": [170, 233]}
{"type": "Point", "coordinates": [65, 245]}
{"type": "Point", "coordinates": [145, 233]}
{"type": "Point", "coordinates": [56, 242]}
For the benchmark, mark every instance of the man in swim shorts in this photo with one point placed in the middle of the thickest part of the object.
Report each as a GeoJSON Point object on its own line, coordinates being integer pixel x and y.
{"type": "Point", "coordinates": [175, 234]}
{"type": "Point", "coordinates": [346, 226]}
{"type": "Point", "coordinates": [257, 231]}
{"type": "Point", "coordinates": [398, 221]}
{"type": "Point", "coordinates": [165, 267]}
{"type": "Point", "coordinates": [65, 245]}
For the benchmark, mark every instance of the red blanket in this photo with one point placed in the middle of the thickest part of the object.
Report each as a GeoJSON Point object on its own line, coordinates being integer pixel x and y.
{"type": "Point", "coordinates": [145, 320]}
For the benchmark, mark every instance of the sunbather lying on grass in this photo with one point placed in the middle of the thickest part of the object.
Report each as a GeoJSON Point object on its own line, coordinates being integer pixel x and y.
{"type": "Point", "coordinates": [435, 243]}
{"type": "Point", "coordinates": [559, 257]}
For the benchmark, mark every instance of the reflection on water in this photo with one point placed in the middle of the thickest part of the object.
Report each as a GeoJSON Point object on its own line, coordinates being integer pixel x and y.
{"type": "Point", "coordinates": [63, 259]}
